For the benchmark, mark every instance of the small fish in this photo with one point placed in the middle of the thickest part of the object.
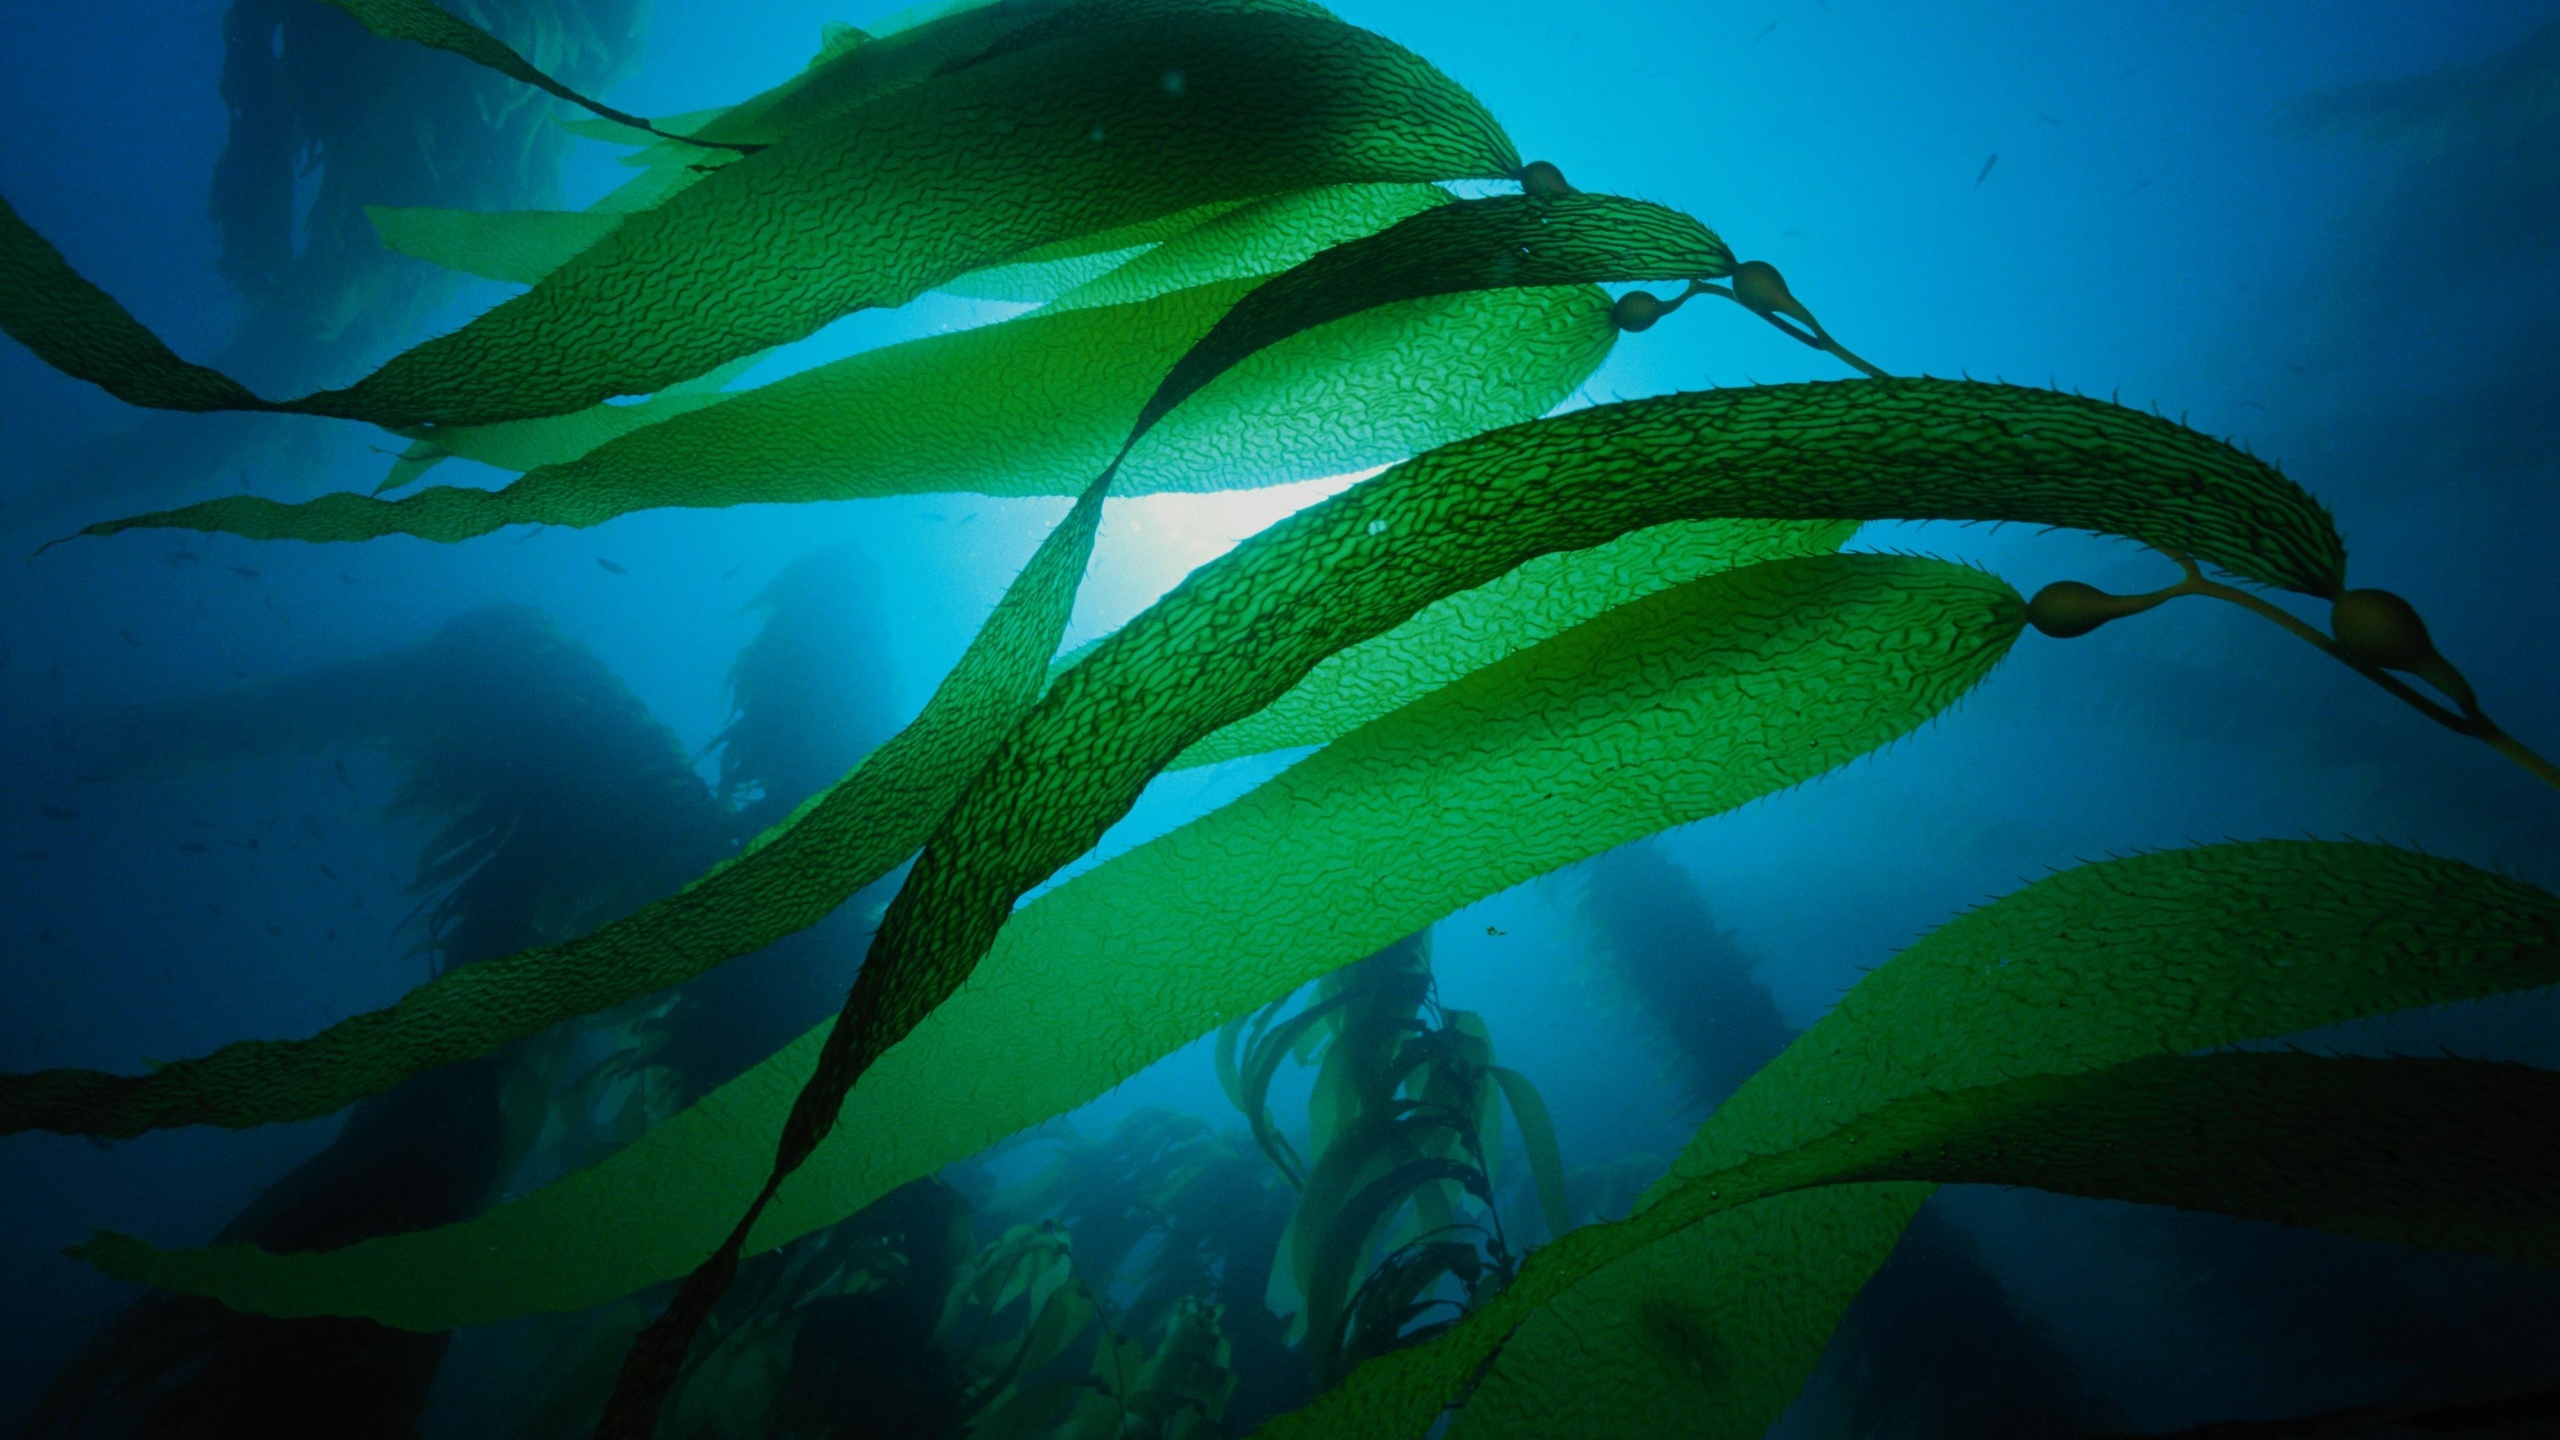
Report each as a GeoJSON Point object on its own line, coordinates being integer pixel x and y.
{"type": "Point", "coordinates": [56, 812]}
{"type": "Point", "coordinates": [333, 934]}
{"type": "Point", "coordinates": [33, 854]}
{"type": "Point", "coordinates": [180, 559]}
{"type": "Point", "coordinates": [2142, 184]}
{"type": "Point", "coordinates": [128, 637]}
{"type": "Point", "coordinates": [275, 930]}
{"type": "Point", "coordinates": [326, 871]}
{"type": "Point", "coordinates": [2251, 405]}
{"type": "Point", "coordinates": [1489, 930]}
{"type": "Point", "coordinates": [732, 572]}
{"type": "Point", "coordinates": [201, 824]}
{"type": "Point", "coordinates": [311, 824]}
{"type": "Point", "coordinates": [88, 779]}
{"type": "Point", "coordinates": [1765, 33]}
{"type": "Point", "coordinates": [2298, 369]}
{"type": "Point", "coordinates": [194, 847]}
{"type": "Point", "coordinates": [1985, 172]}
{"type": "Point", "coordinates": [243, 571]}
{"type": "Point", "coordinates": [343, 777]}
{"type": "Point", "coordinates": [609, 565]}
{"type": "Point", "coordinates": [2049, 120]}
{"type": "Point", "coordinates": [343, 575]}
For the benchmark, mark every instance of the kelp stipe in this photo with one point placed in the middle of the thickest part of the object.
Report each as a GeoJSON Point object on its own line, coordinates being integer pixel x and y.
{"type": "Point", "coordinates": [1766, 662]}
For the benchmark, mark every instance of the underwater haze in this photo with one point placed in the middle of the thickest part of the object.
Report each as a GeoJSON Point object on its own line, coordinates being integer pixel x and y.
{"type": "Point", "coordinates": [1162, 719]}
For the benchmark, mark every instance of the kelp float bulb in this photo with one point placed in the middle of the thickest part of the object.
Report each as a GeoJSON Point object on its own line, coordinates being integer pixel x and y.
{"type": "Point", "coordinates": [1542, 179]}
{"type": "Point", "coordinates": [1638, 310]}
{"type": "Point", "coordinates": [2379, 629]}
{"type": "Point", "coordinates": [2067, 609]}
{"type": "Point", "coordinates": [1763, 291]}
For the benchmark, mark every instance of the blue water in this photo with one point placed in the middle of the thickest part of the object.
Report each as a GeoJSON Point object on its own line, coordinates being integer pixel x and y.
{"type": "Point", "coordinates": [2330, 231]}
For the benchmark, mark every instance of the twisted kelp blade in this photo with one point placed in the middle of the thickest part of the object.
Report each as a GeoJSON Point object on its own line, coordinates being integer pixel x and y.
{"type": "Point", "coordinates": [2095, 966]}
{"type": "Point", "coordinates": [1495, 243]}
{"type": "Point", "coordinates": [1467, 631]}
{"type": "Point", "coordinates": [790, 878]}
{"type": "Point", "coordinates": [421, 22]}
{"type": "Point", "coordinates": [2451, 1153]}
{"type": "Point", "coordinates": [1033, 406]}
{"type": "Point", "coordinates": [1444, 523]}
{"type": "Point", "coordinates": [518, 246]}
{"type": "Point", "coordinates": [1676, 707]}
{"type": "Point", "coordinates": [895, 197]}
{"type": "Point", "coordinates": [81, 331]}
{"type": "Point", "coordinates": [1263, 238]}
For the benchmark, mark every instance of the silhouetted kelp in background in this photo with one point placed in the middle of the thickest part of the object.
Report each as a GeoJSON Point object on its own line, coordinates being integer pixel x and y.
{"type": "Point", "coordinates": [2049, 1039]}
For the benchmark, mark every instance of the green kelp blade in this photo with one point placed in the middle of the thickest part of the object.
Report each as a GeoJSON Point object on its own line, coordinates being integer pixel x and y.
{"type": "Point", "coordinates": [558, 439]}
{"type": "Point", "coordinates": [2455, 1154]}
{"type": "Point", "coordinates": [789, 878]}
{"type": "Point", "coordinates": [1473, 628]}
{"type": "Point", "coordinates": [2172, 952]}
{"type": "Point", "coordinates": [1263, 238]}
{"type": "Point", "coordinates": [80, 330]}
{"type": "Point", "coordinates": [1389, 549]}
{"type": "Point", "coordinates": [1032, 406]}
{"type": "Point", "coordinates": [422, 22]}
{"type": "Point", "coordinates": [1496, 243]}
{"type": "Point", "coordinates": [897, 196]}
{"type": "Point", "coordinates": [1006, 405]}
{"type": "Point", "coordinates": [520, 246]}
{"type": "Point", "coordinates": [1678, 706]}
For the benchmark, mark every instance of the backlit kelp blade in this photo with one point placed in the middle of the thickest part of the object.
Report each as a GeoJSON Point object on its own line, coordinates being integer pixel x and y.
{"type": "Point", "coordinates": [2454, 1154]}
{"type": "Point", "coordinates": [2093, 967]}
{"type": "Point", "coordinates": [1038, 405]}
{"type": "Point", "coordinates": [1681, 705]}
{"type": "Point", "coordinates": [81, 331]}
{"type": "Point", "coordinates": [1355, 567]}
{"type": "Point", "coordinates": [554, 439]}
{"type": "Point", "coordinates": [517, 246]}
{"type": "Point", "coordinates": [892, 198]}
{"type": "Point", "coordinates": [421, 22]}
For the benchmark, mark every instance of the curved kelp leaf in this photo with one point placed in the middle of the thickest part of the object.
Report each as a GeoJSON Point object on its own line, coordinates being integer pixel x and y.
{"type": "Point", "coordinates": [80, 330]}
{"type": "Point", "coordinates": [1473, 628]}
{"type": "Point", "coordinates": [2456, 1154]}
{"type": "Point", "coordinates": [1034, 406]}
{"type": "Point", "coordinates": [520, 246]}
{"type": "Point", "coordinates": [1678, 706]}
{"type": "Point", "coordinates": [1263, 238]}
{"type": "Point", "coordinates": [556, 439]}
{"type": "Point", "coordinates": [790, 878]}
{"type": "Point", "coordinates": [2165, 953]}
{"type": "Point", "coordinates": [421, 22]}
{"type": "Point", "coordinates": [894, 197]}
{"type": "Point", "coordinates": [1497, 243]}
{"type": "Point", "coordinates": [1038, 404]}
{"type": "Point", "coordinates": [1371, 558]}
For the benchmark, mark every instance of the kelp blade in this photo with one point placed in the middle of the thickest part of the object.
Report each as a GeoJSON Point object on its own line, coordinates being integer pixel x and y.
{"type": "Point", "coordinates": [1445, 523]}
{"type": "Point", "coordinates": [1034, 406]}
{"type": "Point", "coordinates": [519, 246]}
{"type": "Point", "coordinates": [2456, 1154]}
{"type": "Point", "coordinates": [80, 330]}
{"type": "Point", "coordinates": [891, 198]}
{"type": "Point", "coordinates": [1656, 714]}
{"type": "Point", "coordinates": [886, 201]}
{"type": "Point", "coordinates": [422, 22]}
{"type": "Point", "coordinates": [2105, 963]}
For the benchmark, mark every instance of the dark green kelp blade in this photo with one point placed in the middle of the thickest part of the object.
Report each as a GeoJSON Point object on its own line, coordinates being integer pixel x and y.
{"type": "Point", "coordinates": [2454, 1154]}
{"type": "Point", "coordinates": [422, 22]}
{"type": "Point", "coordinates": [2098, 965]}
{"type": "Point", "coordinates": [1684, 704]}
{"type": "Point", "coordinates": [81, 331]}
{"type": "Point", "coordinates": [1357, 567]}
{"type": "Point", "coordinates": [892, 198]}
{"type": "Point", "coordinates": [1495, 243]}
